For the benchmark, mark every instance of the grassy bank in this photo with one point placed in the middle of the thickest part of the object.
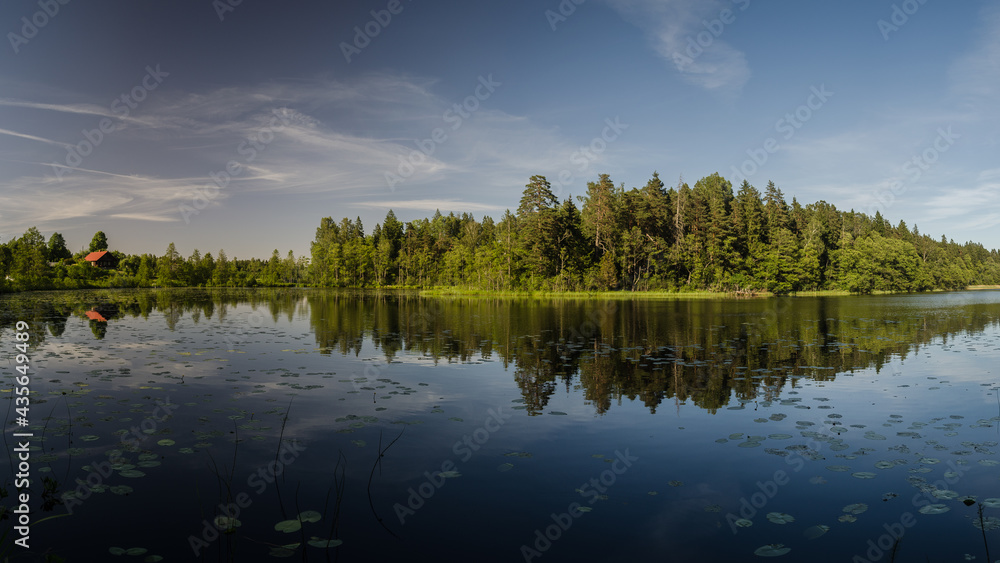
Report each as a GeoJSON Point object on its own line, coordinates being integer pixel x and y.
{"type": "Point", "coordinates": [468, 292]}
{"type": "Point", "coordinates": [463, 292]}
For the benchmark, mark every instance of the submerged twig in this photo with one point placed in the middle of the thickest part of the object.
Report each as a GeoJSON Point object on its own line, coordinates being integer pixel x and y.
{"type": "Point", "coordinates": [982, 527]}
{"type": "Point", "coordinates": [277, 463]}
{"type": "Point", "coordinates": [339, 484]}
{"type": "Point", "coordinates": [895, 548]}
{"type": "Point", "coordinates": [378, 463]}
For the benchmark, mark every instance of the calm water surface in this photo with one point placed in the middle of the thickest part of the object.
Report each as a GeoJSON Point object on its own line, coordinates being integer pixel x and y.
{"type": "Point", "coordinates": [509, 429]}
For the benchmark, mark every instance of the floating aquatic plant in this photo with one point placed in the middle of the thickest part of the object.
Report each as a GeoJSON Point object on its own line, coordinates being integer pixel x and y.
{"type": "Point", "coordinates": [772, 550]}
{"type": "Point", "coordinates": [322, 543]}
{"type": "Point", "coordinates": [288, 526]}
{"type": "Point", "coordinates": [227, 523]}
{"type": "Point", "coordinates": [934, 509]}
{"type": "Point", "coordinates": [780, 517]}
{"type": "Point", "coordinates": [310, 516]}
{"type": "Point", "coordinates": [988, 523]}
{"type": "Point", "coordinates": [281, 551]}
{"type": "Point", "coordinates": [814, 532]}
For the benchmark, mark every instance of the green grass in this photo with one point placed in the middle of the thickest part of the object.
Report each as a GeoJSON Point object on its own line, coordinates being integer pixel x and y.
{"type": "Point", "coordinates": [462, 292]}
{"type": "Point", "coordinates": [659, 294]}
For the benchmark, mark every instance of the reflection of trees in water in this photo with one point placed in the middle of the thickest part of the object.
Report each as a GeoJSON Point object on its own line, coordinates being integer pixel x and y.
{"type": "Point", "coordinates": [50, 310]}
{"type": "Point", "coordinates": [662, 353]}
{"type": "Point", "coordinates": [702, 351]}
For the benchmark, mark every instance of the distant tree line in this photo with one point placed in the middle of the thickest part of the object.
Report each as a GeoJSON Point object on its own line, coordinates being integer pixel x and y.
{"type": "Point", "coordinates": [650, 238]}
{"type": "Point", "coordinates": [31, 263]}
{"type": "Point", "coordinates": [642, 239]}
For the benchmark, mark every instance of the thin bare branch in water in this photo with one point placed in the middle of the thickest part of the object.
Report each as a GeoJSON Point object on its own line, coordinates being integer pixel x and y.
{"type": "Point", "coordinates": [378, 463]}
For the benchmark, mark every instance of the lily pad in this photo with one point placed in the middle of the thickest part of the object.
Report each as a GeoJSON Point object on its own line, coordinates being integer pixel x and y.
{"type": "Point", "coordinates": [317, 542]}
{"type": "Point", "coordinates": [166, 442]}
{"type": "Point", "coordinates": [310, 516]}
{"type": "Point", "coordinates": [288, 526]}
{"type": "Point", "coordinates": [863, 475]}
{"type": "Point", "coordinates": [814, 532]}
{"type": "Point", "coordinates": [780, 517]}
{"type": "Point", "coordinates": [990, 502]}
{"type": "Point", "coordinates": [227, 523]}
{"type": "Point", "coordinates": [743, 523]}
{"type": "Point", "coordinates": [934, 509]}
{"type": "Point", "coordinates": [988, 523]}
{"type": "Point", "coordinates": [856, 508]}
{"type": "Point", "coordinates": [772, 550]}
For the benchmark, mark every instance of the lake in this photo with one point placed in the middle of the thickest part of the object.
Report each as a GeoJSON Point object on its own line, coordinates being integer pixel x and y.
{"type": "Point", "coordinates": [255, 425]}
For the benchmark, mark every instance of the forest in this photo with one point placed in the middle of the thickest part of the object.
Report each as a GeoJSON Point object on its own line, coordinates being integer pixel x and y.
{"type": "Point", "coordinates": [701, 238]}
{"type": "Point", "coordinates": [650, 238]}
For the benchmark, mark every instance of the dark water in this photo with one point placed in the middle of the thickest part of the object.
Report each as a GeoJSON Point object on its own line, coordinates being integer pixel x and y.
{"type": "Point", "coordinates": [509, 429]}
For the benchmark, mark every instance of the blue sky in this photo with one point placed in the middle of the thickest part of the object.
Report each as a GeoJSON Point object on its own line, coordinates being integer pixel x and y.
{"type": "Point", "coordinates": [124, 116]}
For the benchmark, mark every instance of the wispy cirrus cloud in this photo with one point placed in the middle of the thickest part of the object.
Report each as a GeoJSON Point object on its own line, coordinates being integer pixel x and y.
{"type": "Point", "coordinates": [432, 205]}
{"type": "Point", "coordinates": [326, 139]}
{"type": "Point", "coordinates": [975, 77]}
{"type": "Point", "coordinates": [678, 32]}
{"type": "Point", "coordinates": [32, 138]}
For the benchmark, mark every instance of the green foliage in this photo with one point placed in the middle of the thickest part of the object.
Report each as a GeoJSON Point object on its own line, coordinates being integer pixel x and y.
{"type": "Point", "coordinates": [57, 250]}
{"type": "Point", "coordinates": [649, 238]}
{"type": "Point", "coordinates": [681, 238]}
{"type": "Point", "coordinates": [99, 242]}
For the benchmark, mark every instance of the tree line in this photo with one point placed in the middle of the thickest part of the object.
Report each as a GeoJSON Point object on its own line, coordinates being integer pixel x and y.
{"type": "Point", "coordinates": [652, 238]}
{"type": "Point", "coordinates": [31, 263]}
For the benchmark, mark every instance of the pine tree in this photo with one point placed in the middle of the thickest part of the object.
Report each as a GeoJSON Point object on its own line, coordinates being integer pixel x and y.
{"type": "Point", "coordinates": [169, 264]}
{"type": "Point", "coordinates": [538, 228]}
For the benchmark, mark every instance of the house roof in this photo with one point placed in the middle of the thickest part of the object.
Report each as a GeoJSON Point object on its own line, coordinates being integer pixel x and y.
{"type": "Point", "coordinates": [95, 316]}
{"type": "Point", "coordinates": [95, 256]}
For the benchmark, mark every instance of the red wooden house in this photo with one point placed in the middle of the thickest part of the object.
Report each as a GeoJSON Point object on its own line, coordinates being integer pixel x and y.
{"type": "Point", "coordinates": [102, 259]}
